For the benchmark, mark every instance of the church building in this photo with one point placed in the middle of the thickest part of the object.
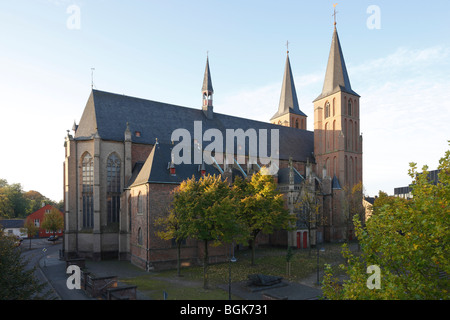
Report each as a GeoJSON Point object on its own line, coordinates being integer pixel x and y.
{"type": "Point", "coordinates": [120, 171]}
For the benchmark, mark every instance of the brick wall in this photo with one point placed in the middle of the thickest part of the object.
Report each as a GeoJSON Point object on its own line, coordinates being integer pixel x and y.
{"type": "Point", "coordinates": [140, 152]}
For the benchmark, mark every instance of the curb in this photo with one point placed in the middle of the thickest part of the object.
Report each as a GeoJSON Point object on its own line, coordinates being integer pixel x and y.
{"type": "Point", "coordinates": [39, 267]}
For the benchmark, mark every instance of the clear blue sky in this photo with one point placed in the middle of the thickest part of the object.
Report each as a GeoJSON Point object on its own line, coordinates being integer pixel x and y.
{"type": "Point", "coordinates": [157, 50]}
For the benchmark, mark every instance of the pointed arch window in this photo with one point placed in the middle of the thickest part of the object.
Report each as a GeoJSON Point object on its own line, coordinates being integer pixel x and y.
{"type": "Point", "coordinates": [334, 167]}
{"type": "Point", "coordinates": [327, 110]}
{"type": "Point", "coordinates": [296, 123]}
{"type": "Point", "coordinates": [334, 135]}
{"type": "Point", "coordinates": [140, 204]}
{"type": "Point", "coordinates": [349, 111]}
{"type": "Point", "coordinates": [334, 107]}
{"type": "Point", "coordinates": [113, 187]}
{"type": "Point", "coordinates": [129, 213]}
{"type": "Point", "coordinates": [87, 180]}
{"type": "Point", "coordinates": [139, 236]}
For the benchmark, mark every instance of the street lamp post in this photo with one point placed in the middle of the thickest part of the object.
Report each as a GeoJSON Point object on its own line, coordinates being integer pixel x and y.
{"type": "Point", "coordinates": [232, 259]}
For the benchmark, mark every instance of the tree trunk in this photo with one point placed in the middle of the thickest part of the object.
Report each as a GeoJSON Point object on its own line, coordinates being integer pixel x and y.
{"type": "Point", "coordinates": [252, 246]}
{"type": "Point", "coordinates": [205, 266]}
{"type": "Point", "coordinates": [179, 258]}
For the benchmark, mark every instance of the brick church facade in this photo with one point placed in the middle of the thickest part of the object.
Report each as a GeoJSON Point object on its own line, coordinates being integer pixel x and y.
{"type": "Point", "coordinates": [119, 169]}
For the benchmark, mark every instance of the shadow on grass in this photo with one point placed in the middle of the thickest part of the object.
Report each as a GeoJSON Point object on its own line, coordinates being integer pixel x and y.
{"type": "Point", "coordinates": [269, 261]}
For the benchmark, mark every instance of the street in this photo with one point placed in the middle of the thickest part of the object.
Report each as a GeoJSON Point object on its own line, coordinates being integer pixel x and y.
{"type": "Point", "coordinates": [40, 249]}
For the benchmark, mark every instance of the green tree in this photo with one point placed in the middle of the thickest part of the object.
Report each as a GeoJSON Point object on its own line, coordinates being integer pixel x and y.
{"type": "Point", "coordinates": [6, 207]}
{"type": "Point", "coordinates": [53, 221]}
{"type": "Point", "coordinates": [205, 208]}
{"type": "Point", "coordinates": [260, 208]}
{"type": "Point", "coordinates": [353, 206]}
{"type": "Point", "coordinates": [407, 240]}
{"type": "Point", "coordinates": [35, 200]}
{"type": "Point", "coordinates": [12, 201]}
{"type": "Point", "coordinates": [30, 229]}
{"type": "Point", "coordinates": [383, 199]}
{"type": "Point", "coordinates": [309, 210]}
{"type": "Point", "coordinates": [17, 282]}
{"type": "Point", "coordinates": [174, 227]}
{"type": "Point", "coordinates": [3, 183]}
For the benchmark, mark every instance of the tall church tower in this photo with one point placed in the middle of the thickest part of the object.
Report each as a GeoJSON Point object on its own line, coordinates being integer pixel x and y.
{"type": "Point", "coordinates": [207, 92]}
{"type": "Point", "coordinates": [289, 113]}
{"type": "Point", "coordinates": [337, 139]}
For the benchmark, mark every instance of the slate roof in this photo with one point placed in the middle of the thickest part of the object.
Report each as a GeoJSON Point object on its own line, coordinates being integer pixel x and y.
{"type": "Point", "coordinates": [108, 113]}
{"type": "Point", "coordinates": [156, 168]}
{"type": "Point", "coordinates": [336, 76]}
{"type": "Point", "coordinates": [288, 98]}
{"type": "Point", "coordinates": [283, 176]}
{"type": "Point", "coordinates": [11, 224]}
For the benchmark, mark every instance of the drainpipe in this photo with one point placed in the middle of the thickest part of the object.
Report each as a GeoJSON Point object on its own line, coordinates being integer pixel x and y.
{"type": "Point", "coordinates": [148, 228]}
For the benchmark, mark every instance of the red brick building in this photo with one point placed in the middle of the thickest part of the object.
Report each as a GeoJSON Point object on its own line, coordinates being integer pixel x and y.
{"type": "Point", "coordinates": [38, 217]}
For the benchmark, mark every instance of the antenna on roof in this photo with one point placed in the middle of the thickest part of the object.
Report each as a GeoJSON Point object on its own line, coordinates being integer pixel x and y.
{"type": "Point", "coordinates": [92, 78]}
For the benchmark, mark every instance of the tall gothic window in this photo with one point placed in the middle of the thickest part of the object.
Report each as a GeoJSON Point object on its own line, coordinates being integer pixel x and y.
{"type": "Point", "coordinates": [140, 204]}
{"type": "Point", "coordinates": [88, 191]}
{"type": "Point", "coordinates": [349, 107]}
{"type": "Point", "coordinates": [129, 213]}
{"type": "Point", "coordinates": [327, 110]}
{"type": "Point", "coordinates": [113, 188]}
{"type": "Point", "coordinates": [139, 239]}
{"type": "Point", "coordinates": [334, 107]}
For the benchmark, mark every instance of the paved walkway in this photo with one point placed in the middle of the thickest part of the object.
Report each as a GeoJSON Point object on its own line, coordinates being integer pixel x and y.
{"type": "Point", "coordinates": [286, 291]}
{"type": "Point", "coordinates": [54, 270]}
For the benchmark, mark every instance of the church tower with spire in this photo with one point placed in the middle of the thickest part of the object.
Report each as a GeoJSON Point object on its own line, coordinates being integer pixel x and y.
{"type": "Point", "coordinates": [207, 92]}
{"type": "Point", "coordinates": [337, 138]}
{"type": "Point", "coordinates": [289, 113]}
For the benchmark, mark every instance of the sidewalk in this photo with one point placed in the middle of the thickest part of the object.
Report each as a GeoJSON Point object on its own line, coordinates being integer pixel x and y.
{"type": "Point", "coordinates": [54, 270]}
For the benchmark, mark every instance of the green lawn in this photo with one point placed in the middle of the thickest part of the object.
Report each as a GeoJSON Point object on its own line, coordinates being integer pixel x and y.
{"type": "Point", "coordinates": [269, 261]}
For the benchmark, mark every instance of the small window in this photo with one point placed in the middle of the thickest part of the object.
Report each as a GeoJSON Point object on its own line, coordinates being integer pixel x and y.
{"type": "Point", "coordinates": [137, 133]}
{"type": "Point", "coordinates": [140, 236]}
{"type": "Point", "coordinates": [296, 123]}
{"type": "Point", "coordinates": [174, 242]}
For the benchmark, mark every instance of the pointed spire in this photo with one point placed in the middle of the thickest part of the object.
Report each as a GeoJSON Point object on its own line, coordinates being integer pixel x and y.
{"type": "Point", "coordinates": [335, 185]}
{"type": "Point", "coordinates": [336, 76]}
{"type": "Point", "coordinates": [207, 83]}
{"type": "Point", "coordinates": [207, 92]}
{"type": "Point", "coordinates": [288, 98]}
{"type": "Point", "coordinates": [75, 126]}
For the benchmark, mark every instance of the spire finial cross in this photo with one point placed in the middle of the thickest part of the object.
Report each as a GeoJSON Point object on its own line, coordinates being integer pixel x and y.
{"type": "Point", "coordinates": [287, 46]}
{"type": "Point", "coordinates": [334, 13]}
{"type": "Point", "coordinates": [92, 78]}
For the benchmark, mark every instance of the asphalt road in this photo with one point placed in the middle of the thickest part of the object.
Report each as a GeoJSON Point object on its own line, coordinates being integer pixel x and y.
{"type": "Point", "coordinates": [40, 249]}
